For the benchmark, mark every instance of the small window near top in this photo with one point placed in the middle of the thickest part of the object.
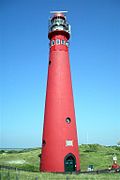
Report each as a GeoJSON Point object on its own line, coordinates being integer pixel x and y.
{"type": "Point", "coordinates": [67, 44]}
{"type": "Point", "coordinates": [49, 62]}
{"type": "Point", "coordinates": [52, 42]}
{"type": "Point", "coordinates": [57, 41]}
{"type": "Point", "coordinates": [68, 120]}
{"type": "Point", "coordinates": [63, 42]}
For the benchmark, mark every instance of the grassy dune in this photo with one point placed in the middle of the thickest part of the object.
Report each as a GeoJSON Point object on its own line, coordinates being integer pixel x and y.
{"type": "Point", "coordinates": [27, 160]}
{"type": "Point", "coordinates": [98, 155]}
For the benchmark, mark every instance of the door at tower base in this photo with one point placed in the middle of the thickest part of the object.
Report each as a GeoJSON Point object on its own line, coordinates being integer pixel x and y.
{"type": "Point", "coordinates": [70, 163]}
{"type": "Point", "coordinates": [59, 142]}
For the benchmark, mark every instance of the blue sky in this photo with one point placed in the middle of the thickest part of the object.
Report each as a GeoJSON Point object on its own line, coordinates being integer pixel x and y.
{"type": "Point", "coordinates": [95, 68]}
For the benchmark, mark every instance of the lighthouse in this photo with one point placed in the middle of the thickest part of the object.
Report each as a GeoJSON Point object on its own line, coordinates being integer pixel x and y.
{"type": "Point", "coordinates": [59, 142]}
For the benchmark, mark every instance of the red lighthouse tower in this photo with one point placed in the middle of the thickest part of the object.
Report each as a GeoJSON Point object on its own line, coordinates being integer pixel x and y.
{"type": "Point", "coordinates": [59, 143]}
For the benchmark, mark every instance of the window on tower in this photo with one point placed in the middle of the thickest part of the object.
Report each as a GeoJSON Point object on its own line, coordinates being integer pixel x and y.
{"type": "Point", "coordinates": [62, 21]}
{"type": "Point", "coordinates": [69, 142]}
{"type": "Point", "coordinates": [52, 42]}
{"type": "Point", "coordinates": [63, 42]}
{"type": "Point", "coordinates": [44, 143]}
{"type": "Point", "coordinates": [57, 41]}
{"type": "Point", "coordinates": [67, 43]}
{"type": "Point", "coordinates": [68, 120]}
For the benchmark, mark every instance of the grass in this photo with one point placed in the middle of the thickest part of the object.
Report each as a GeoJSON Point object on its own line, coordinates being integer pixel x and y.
{"type": "Point", "coordinates": [6, 175]}
{"type": "Point", "coordinates": [98, 155]}
{"type": "Point", "coordinates": [30, 159]}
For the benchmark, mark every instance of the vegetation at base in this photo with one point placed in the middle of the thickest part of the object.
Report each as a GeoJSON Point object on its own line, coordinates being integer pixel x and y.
{"type": "Point", "coordinates": [20, 175]}
{"type": "Point", "coordinates": [97, 155]}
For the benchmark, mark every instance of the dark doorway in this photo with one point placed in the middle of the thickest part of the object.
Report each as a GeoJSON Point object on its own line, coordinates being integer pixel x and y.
{"type": "Point", "coordinates": [70, 163]}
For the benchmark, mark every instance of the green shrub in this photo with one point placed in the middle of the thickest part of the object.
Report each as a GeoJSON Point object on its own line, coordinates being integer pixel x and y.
{"type": "Point", "coordinates": [92, 148]}
{"type": "Point", "coordinates": [2, 151]}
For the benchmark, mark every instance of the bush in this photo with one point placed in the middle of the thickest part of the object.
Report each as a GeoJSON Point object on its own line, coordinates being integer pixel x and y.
{"type": "Point", "coordinates": [117, 148]}
{"type": "Point", "coordinates": [2, 151]}
{"type": "Point", "coordinates": [92, 148]}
